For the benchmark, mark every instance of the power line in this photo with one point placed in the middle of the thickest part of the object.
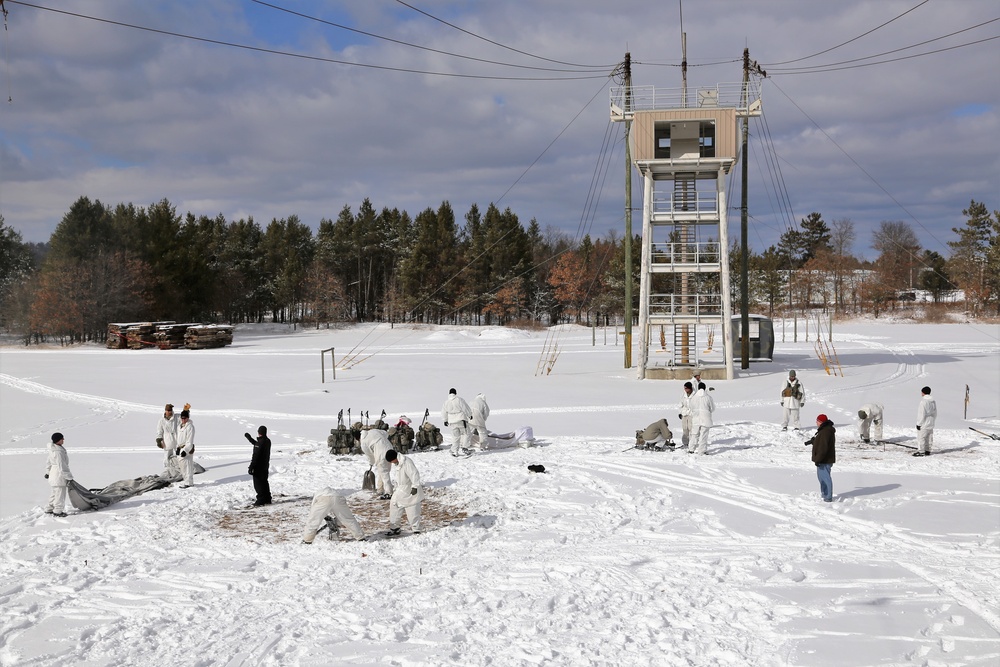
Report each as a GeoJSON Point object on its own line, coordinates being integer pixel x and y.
{"type": "Point", "coordinates": [885, 53]}
{"type": "Point", "coordinates": [502, 46]}
{"type": "Point", "coordinates": [302, 56]}
{"type": "Point", "coordinates": [417, 46]}
{"type": "Point", "coordinates": [821, 68]}
{"type": "Point", "coordinates": [853, 39]}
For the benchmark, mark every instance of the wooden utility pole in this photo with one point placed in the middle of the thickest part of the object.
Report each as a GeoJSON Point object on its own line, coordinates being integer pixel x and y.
{"type": "Point", "coordinates": [627, 111]}
{"type": "Point", "coordinates": [744, 259]}
{"type": "Point", "coordinates": [744, 251]}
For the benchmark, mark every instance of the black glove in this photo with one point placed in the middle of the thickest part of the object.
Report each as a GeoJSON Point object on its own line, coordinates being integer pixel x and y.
{"type": "Point", "coordinates": [250, 438]}
{"type": "Point", "coordinates": [159, 443]}
{"type": "Point", "coordinates": [46, 475]}
{"type": "Point", "coordinates": [413, 492]}
{"type": "Point", "coordinates": [177, 452]}
{"type": "Point", "coordinates": [918, 427]}
{"type": "Point", "coordinates": [810, 441]}
{"type": "Point", "coordinates": [250, 470]}
{"type": "Point", "coordinates": [446, 423]}
{"type": "Point", "coordinates": [183, 453]}
{"type": "Point", "coordinates": [681, 417]}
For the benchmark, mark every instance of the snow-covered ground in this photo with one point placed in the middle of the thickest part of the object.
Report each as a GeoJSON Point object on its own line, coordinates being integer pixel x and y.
{"type": "Point", "coordinates": [611, 557]}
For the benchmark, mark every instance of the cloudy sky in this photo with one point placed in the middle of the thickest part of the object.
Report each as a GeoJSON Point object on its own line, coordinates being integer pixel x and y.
{"type": "Point", "coordinates": [271, 113]}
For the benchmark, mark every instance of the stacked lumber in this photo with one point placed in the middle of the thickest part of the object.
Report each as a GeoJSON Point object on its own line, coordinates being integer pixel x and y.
{"type": "Point", "coordinates": [116, 335]}
{"type": "Point", "coordinates": [170, 336]}
{"type": "Point", "coordinates": [204, 336]}
{"type": "Point", "coordinates": [139, 336]}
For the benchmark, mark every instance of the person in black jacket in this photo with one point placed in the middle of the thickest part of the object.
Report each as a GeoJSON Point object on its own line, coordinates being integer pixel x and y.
{"type": "Point", "coordinates": [824, 455]}
{"type": "Point", "coordinates": [259, 464]}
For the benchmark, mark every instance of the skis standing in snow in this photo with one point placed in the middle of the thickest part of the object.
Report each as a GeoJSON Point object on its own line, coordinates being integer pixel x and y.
{"type": "Point", "coordinates": [926, 416]}
{"type": "Point", "coordinates": [870, 414]}
{"type": "Point", "coordinates": [59, 476]}
{"type": "Point", "coordinates": [702, 407]}
{"type": "Point", "coordinates": [457, 414]}
{"type": "Point", "coordinates": [685, 414]}
{"type": "Point", "coordinates": [793, 397]}
{"type": "Point", "coordinates": [480, 412]}
{"type": "Point", "coordinates": [166, 435]}
{"type": "Point", "coordinates": [408, 496]}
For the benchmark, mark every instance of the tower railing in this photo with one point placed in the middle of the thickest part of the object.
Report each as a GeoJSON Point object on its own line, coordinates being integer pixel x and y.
{"type": "Point", "coordinates": [740, 96]}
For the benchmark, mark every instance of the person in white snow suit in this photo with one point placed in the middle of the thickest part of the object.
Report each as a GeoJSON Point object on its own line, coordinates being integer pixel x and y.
{"type": "Point", "coordinates": [166, 435]}
{"type": "Point", "coordinates": [870, 415]}
{"type": "Point", "coordinates": [685, 414]}
{"type": "Point", "coordinates": [702, 407]}
{"type": "Point", "coordinates": [480, 412]}
{"type": "Point", "coordinates": [657, 434]}
{"type": "Point", "coordinates": [793, 397]}
{"type": "Point", "coordinates": [328, 502]}
{"type": "Point", "coordinates": [926, 416]}
{"type": "Point", "coordinates": [59, 476]}
{"type": "Point", "coordinates": [408, 496]}
{"type": "Point", "coordinates": [457, 414]}
{"type": "Point", "coordinates": [374, 444]}
{"type": "Point", "coordinates": [185, 448]}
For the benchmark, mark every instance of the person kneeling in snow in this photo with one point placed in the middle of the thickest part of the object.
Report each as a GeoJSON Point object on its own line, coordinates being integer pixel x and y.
{"type": "Point", "coordinates": [328, 502]}
{"type": "Point", "coordinates": [657, 434]}
{"type": "Point", "coordinates": [408, 495]}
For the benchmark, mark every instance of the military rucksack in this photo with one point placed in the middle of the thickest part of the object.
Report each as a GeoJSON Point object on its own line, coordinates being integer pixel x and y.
{"type": "Point", "coordinates": [401, 437]}
{"type": "Point", "coordinates": [428, 436]}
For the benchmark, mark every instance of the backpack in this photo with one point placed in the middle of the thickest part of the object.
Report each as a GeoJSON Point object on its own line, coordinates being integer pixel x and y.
{"type": "Point", "coordinates": [401, 437]}
{"type": "Point", "coordinates": [340, 440]}
{"type": "Point", "coordinates": [429, 437]}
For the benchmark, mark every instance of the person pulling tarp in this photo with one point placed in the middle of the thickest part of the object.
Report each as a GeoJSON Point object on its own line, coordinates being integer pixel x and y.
{"type": "Point", "coordinates": [83, 498]}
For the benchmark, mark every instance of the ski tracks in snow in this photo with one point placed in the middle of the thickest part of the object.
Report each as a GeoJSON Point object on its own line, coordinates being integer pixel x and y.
{"type": "Point", "coordinates": [794, 533]}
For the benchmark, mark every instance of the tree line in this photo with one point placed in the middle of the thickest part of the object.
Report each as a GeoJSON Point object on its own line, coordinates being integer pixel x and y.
{"type": "Point", "coordinates": [128, 263]}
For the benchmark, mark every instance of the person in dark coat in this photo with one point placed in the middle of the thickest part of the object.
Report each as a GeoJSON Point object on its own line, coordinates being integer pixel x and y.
{"type": "Point", "coordinates": [824, 455]}
{"type": "Point", "coordinates": [259, 464]}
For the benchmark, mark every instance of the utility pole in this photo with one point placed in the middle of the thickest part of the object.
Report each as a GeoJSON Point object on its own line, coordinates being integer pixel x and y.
{"type": "Point", "coordinates": [744, 251]}
{"type": "Point", "coordinates": [627, 111]}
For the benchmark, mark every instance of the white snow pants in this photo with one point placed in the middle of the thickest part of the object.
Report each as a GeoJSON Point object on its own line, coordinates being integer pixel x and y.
{"type": "Point", "coordinates": [57, 499]}
{"type": "Point", "coordinates": [481, 433]}
{"type": "Point", "coordinates": [459, 437]}
{"type": "Point", "coordinates": [187, 468]}
{"type": "Point", "coordinates": [383, 483]}
{"type": "Point", "coordinates": [412, 515]}
{"type": "Point", "coordinates": [686, 426]}
{"type": "Point", "coordinates": [925, 438]}
{"type": "Point", "coordinates": [328, 502]}
{"type": "Point", "coordinates": [866, 429]}
{"type": "Point", "coordinates": [791, 414]}
{"type": "Point", "coordinates": [701, 438]}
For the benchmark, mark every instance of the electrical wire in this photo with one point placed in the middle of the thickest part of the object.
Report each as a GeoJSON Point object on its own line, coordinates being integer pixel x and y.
{"type": "Point", "coordinates": [822, 69]}
{"type": "Point", "coordinates": [853, 39]}
{"type": "Point", "coordinates": [303, 56]}
{"type": "Point", "coordinates": [503, 46]}
{"type": "Point", "coordinates": [603, 68]}
{"type": "Point", "coordinates": [884, 53]}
